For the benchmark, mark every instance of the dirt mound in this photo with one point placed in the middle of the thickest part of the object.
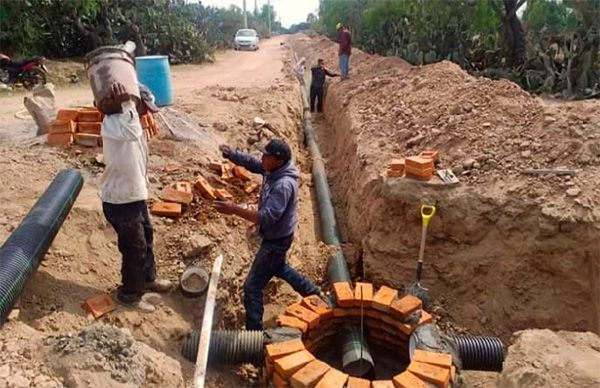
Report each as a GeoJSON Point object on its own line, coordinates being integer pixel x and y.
{"type": "Point", "coordinates": [542, 358]}
{"type": "Point", "coordinates": [500, 239]}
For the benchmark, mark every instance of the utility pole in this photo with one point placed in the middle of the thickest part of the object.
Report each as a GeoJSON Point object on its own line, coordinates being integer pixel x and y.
{"type": "Point", "coordinates": [255, 7]}
{"type": "Point", "coordinates": [245, 16]}
{"type": "Point", "coordinates": [269, 15]}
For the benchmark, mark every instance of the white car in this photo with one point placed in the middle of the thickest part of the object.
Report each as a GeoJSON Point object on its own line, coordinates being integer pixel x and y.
{"type": "Point", "coordinates": [246, 39]}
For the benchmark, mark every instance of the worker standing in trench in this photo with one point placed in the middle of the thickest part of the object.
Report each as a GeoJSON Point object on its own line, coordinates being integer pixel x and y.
{"type": "Point", "coordinates": [276, 217]}
{"type": "Point", "coordinates": [124, 194]}
{"type": "Point", "coordinates": [317, 85]}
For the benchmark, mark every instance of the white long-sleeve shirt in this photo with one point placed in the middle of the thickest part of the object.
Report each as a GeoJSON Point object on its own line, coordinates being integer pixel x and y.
{"type": "Point", "coordinates": [125, 150]}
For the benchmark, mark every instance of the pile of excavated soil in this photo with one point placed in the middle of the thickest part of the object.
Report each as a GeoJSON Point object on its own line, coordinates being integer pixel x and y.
{"type": "Point", "coordinates": [505, 251]}
{"type": "Point", "coordinates": [84, 260]}
{"type": "Point", "coordinates": [542, 358]}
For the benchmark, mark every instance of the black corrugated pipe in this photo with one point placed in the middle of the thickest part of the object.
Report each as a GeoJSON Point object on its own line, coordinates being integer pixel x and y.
{"type": "Point", "coordinates": [24, 249]}
{"type": "Point", "coordinates": [356, 358]}
{"type": "Point", "coordinates": [479, 353]}
{"type": "Point", "coordinates": [228, 347]}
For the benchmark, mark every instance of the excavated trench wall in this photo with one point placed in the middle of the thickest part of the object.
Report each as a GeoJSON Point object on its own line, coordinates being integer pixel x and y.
{"type": "Point", "coordinates": [498, 259]}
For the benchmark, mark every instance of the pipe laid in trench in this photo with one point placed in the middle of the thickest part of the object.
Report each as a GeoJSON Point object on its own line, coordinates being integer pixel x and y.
{"type": "Point", "coordinates": [24, 249]}
{"type": "Point", "coordinates": [479, 352]}
{"type": "Point", "coordinates": [356, 357]}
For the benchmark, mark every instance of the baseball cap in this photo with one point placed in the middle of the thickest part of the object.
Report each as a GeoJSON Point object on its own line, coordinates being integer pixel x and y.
{"type": "Point", "coordinates": [338, 26]}
{"type": "Point", "coordinates": [148, 98]}
{"type": "Point", "coordinates": [278, 148]}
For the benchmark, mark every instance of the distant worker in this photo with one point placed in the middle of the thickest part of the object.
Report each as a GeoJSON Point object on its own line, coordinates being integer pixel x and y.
{"type": "Point", "coordinates": [276, 217]}
{"type": "Point", "coordinates": [124, 193]}
{"type": "Point", "coordinates": [345, 49]}
{"type": "Point", "coordinates": [317, 84]}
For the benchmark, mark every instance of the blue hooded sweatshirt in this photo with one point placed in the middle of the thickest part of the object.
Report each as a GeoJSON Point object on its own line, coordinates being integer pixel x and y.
{"type": "Point", "coordinates": [278, 202]}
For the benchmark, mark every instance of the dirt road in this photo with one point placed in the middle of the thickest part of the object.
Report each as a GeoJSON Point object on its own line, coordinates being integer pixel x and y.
{"type": "Point", "coordinates": [83, 261]}
{"type": "Point", "coordinates": [242, 69]}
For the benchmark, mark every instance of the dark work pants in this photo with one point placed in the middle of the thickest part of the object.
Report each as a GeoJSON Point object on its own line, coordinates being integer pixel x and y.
{"type": "Point", "coordinates": [271, 261]}
{"type": "Point", "coordinates": [131, 221]}
{"type": "Point", "coordinates": [316, 95]}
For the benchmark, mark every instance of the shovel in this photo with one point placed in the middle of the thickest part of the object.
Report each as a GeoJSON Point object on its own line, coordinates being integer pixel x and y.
{"type": "Point", "coordinates": [415, 288]}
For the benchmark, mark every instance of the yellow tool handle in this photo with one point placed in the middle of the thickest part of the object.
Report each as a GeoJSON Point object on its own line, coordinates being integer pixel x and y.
{"type": "Point", "coordinates": [427, 213]}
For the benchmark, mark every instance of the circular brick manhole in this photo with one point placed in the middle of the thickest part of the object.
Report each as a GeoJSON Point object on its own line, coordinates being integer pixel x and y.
{"type": "Point", "coordinates": [386, 321]}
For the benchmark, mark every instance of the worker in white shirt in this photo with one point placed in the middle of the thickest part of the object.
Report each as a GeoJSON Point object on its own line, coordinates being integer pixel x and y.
{"type": "Point", "coordinates": [125, 191]}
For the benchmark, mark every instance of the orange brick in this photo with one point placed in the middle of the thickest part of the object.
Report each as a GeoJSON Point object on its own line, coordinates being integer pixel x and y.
{"type": "Point", "coordinates": [438, 359]}
{"type": "Point", "coordinates": [184, 187]}
{"type": "Point", "coordinates": [205, 188]}
{"type": "Point", "coordinates": [286, 366]}
{"type": "Point", "coordinates": [425, 318]}
{"type": "Point", "coordinates": [60, 139]}
{"type": "Point", "coordinates": [333, 379]}
{"type": "Point", "coordinates": [363, 292]}
{"type": "Point", "coordinates": [152, 123]}
{"type": "Point", "coordinates": [309, 375]}
{"type": "Point", "coordinates": [405, 306]}
{"type": "Point", "coordinates": [436, 375]}
{"type": "Point", "coordinates": [223, 194]}
{"type": "Point", "coordinates": [166, 209]}
{"type": "Point", "coordinates": [318, 305]}
{"type": "Point", "coordinates": [340, 313]}
{"type": "Point", "coordinates": [452, 375]}
{"type": "Point", "coordinates": [251, 187]}
{"type": "Point", "coordinates": [373, 313]}
{"type": "Point", "coordinates": [62, 126]}
{"type": "Point", "coordinates": [429, 154]}
{"type": "Point", "coordinates": [278, 349]}
{"type": "Point", "coordinates": [279, 381]}
{"type": "Point", "coordinates": [396, 165]}
{"type": "Point", "coordinates": [421, 175]}
{"type": "Point", "coordinates": [99, 305]}
{"type": "Point", "coordinates": [395, 173]}
{"type": "Point", "coordinates": [383, 298]}
{"type": "Point", "coordinates": [408, 380]}
{"type": "Point", "coordinates": [397, 341]}
{"type": "Point", "coordinates": [145, 122]}
{"type": "Point", "coordinates": [227, 171]}
{"type": "Point", "coordinates": [288, 321]}
{"type": "Point", "coordinates": [89, 116]}
{"type": "Point", "coordinates": [418, 163]}
{"type": "Point", "coordinates": [93, 128]}
{"type": "Point", "coordinates": [382, 384]}
{"type": "Point", "coordinates": [304, 314]}
{"type": "Point", "coordinates": [343, 294]}
{"type": "Point", "coordinates": [355, 382]}
{"type": "Point", "coordinates": [214, 165]}
{"type": "Point", "coordinates": [242, 173]}
{"type": "Point", "coordinates": [67, 114]}
{"type": "Point", "coordinates": [356, 312]}
{"type": "Point", "coordinates": [172, 195]}
{"type": "Point", "coordinates": [87, 139]}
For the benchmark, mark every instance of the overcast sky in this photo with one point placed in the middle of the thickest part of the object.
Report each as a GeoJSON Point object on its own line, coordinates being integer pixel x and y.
{"type": "Point", "coordinates": [288, 11]}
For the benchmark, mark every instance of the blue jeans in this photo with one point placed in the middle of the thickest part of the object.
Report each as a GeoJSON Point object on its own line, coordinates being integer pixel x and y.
{"type": "Point", "coordinates": [344, 65]}
{"type": "Point", "coordinates": [271, 261]}
{"type": "Point", "coordinates": [135, 235]}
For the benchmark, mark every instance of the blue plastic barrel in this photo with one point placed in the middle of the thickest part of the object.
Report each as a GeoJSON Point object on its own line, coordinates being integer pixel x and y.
{"type": "Point", "coordinates": [154, 72]}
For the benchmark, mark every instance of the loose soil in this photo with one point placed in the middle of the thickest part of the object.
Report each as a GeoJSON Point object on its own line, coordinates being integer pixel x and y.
{"type": "Point", "coordinates": [505, 251]}
{"type": "Point", "coordinates": [222, 99]}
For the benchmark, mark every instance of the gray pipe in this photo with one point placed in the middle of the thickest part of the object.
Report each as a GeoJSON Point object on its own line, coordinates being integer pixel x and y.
{"type": "Point", "coordinates": [356, 358]}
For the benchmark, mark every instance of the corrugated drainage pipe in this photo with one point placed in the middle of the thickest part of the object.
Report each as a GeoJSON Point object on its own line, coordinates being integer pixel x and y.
{"type": "Point", "coordinates": [480, 353]}
{"type": "Point", "coordinates": [24, 249]}
{"type": "Point", "coordinates": [228, 347]}
{"type": "Point", "coordinates": [356, 358]}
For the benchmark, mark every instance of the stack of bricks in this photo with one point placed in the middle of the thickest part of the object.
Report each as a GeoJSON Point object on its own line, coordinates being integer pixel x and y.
{"type": "Point", "coordinates": [174, 199]}
{"type": "Point", "coordinates": [419, 168]}
{"type": "Point", "coordinates": [83, 127]}
{"type": "Point", "coordinates": [396, 168]}
{"type": "Point", "coordinates": [389, 321]}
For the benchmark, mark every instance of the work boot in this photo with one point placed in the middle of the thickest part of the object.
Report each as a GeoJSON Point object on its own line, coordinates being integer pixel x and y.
{"type": "Point", "coordinates": [159, 285]}
{"type": "Point", "coordinates": [139, 304]}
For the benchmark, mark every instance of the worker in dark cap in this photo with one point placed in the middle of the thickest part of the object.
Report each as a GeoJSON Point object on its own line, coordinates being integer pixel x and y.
{"type": "Point", "coordinates": [276, 217]}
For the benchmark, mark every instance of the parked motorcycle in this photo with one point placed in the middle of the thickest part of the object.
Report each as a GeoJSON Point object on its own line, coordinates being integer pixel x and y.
{"type": "Point", "coordinates": [28, 71]}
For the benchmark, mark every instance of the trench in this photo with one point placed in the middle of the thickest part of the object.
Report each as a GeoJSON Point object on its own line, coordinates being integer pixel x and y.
{"type": "Point", "coordinates": [495, 262]}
